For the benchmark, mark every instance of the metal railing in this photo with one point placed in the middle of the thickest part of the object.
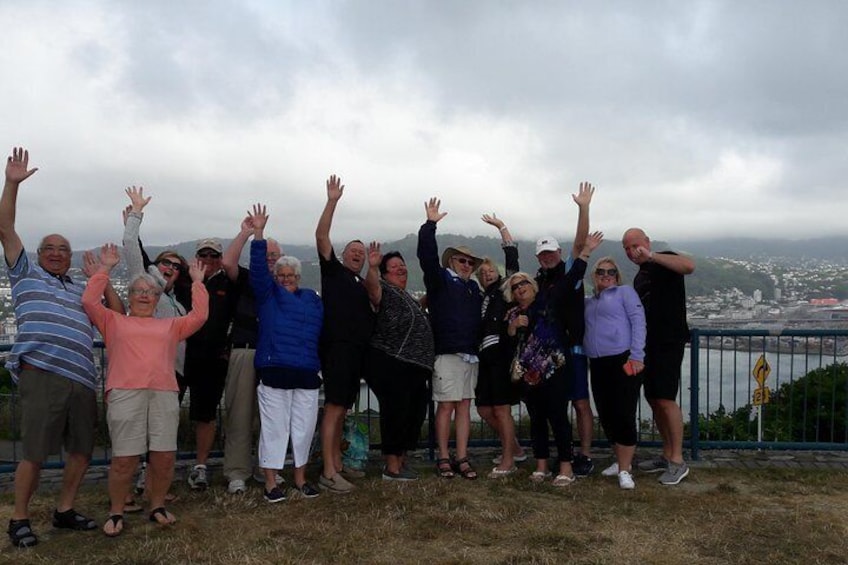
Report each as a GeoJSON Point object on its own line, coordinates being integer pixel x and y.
{"type": "Point", "coordinates": [804, 370]}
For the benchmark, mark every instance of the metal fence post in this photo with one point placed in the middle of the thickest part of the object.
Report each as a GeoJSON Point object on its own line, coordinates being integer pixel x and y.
{"type": "Point", "coordinates": [694, 431]}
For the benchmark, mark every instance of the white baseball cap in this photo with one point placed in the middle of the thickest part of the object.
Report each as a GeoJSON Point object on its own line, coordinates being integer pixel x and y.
{"type": "Point", "coordinates": [547, 243]}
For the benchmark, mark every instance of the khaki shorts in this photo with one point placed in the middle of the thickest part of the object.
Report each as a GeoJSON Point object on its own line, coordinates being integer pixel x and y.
{"type": "Point", "coordinates": [55, 412]}
{"type": "Point", "coordinates": [453, 378]}
{"type": "Point", "coordinates": [142, 420]}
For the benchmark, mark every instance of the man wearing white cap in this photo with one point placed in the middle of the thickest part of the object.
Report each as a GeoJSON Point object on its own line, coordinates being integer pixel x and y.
{"type": "Point", "coordinates": [551, 269]}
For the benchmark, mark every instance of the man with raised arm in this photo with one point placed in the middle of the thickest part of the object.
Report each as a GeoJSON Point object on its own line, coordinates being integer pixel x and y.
{"type": "Point", "coordinates": [661, 288]}
{"type": "Point", "coordinates": [551, 269]}
{"type": "Point", "coordinates": [240, 389]}
{"type": "Point", "coordinates": [348, 323]}
{"type": "Point", "coordinates": [51, 362]}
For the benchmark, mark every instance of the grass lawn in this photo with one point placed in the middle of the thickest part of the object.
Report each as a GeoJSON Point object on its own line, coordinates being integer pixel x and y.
{"type": "Point", "coordinates": [714, 516]}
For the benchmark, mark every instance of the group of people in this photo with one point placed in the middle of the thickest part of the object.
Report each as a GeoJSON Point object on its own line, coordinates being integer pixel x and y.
{"type": "Point", "coordinates": [255, 338]}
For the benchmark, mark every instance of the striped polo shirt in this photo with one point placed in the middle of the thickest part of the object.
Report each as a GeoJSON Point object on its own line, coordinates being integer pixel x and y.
{"type": "Point", "coordinates": [54, 332]}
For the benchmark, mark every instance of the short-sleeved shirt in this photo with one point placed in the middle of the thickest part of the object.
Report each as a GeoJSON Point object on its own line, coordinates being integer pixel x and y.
{"type": "Point", "coordinates": [54, 332]}
{"type": "Point", "coordinates": [663, 295]}
{"type": "Point", "coordinates": [347, 310]}
{"type": "Point", "coordinates": [211, 339]}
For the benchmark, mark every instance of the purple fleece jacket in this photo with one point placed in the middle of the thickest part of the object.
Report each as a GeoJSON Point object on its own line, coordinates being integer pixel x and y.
{"type": "Point", "coordinates": [615, 322]}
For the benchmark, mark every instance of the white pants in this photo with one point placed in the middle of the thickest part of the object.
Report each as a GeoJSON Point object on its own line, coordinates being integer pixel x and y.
{"type": "Point", "coordinates": [286, 414]}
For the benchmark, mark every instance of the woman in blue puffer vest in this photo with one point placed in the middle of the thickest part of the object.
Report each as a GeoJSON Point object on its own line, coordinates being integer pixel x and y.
{"type": "Point", "coordinates": [286, 362]}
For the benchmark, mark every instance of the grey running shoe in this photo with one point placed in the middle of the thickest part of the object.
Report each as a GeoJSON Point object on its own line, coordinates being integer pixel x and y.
{"type": "Point", "coordinates": [403, 475]}
{"type": "Point", "coordinates": [197, 478]}
{"type": "Point", "coordinates": [658, 465]}
{"type": "Point", "coordinates": [676, 472]}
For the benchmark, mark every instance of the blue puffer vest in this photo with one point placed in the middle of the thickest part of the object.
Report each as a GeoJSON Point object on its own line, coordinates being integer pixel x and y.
{"type": "Point", "coordinates": [289, 322]}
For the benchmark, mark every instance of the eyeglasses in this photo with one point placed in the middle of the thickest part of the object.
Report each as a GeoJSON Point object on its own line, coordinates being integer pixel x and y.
{"type": "Point", "coordinates": [464, 260]}
{"type": "Point", "coordinates": [144, 292]}
{"type": "Point", "coordinates": [606, 272]}
{"type": "Point", "coordinates": [170, 264]}
{"type": "Point", "coordinates": [274, 256]}
{"type": "Point", "coordinates": [209, 255]}
{"type": "Point", "coordinates": [519, 284]}
{"type": "Point", "coordinates": [287, 276]}
{"type": "Point", "coordinates": [62, 249]}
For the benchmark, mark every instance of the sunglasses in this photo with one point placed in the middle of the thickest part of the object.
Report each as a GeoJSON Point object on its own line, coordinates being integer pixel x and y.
{"type": "Point", "coordinates": [606, 272]}
{"type": "Point", "coordinates": [519, 284]}
{"type": "Point", "coordinates": [464, 260]}
{"type": "Point", "coordinates": [144, 292]}
{"type": "Point", "coordinates": [209, 255]}
{"type": "Point", "coordinates": [169, 264]}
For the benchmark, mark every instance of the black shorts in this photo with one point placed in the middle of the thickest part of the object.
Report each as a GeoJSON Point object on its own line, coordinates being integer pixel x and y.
{"type": "Point", "coordinates": [342, 367]}
{"type": "Point", "coordinates": [205, 377]}
{"type": "Point", "coordinates": [494, 385]}
{"type": "Point", "coordinates": [662, 373]}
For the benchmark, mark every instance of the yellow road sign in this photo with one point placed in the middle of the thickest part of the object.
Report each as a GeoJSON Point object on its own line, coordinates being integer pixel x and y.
{"type": "Point", "coordinates": [762, 395]}
{"type": "Point", "coordinates": [761, 370]}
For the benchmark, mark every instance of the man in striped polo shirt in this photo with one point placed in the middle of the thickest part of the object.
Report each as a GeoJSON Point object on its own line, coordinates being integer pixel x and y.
{"type": "Point", "coordinates": [51, 362]}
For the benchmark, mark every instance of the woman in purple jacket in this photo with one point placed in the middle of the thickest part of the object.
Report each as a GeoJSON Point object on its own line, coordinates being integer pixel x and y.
{"type": "Point", "coordinates": [615, 344]}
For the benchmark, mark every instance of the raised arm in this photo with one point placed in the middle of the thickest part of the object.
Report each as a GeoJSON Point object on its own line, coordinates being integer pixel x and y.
{"type": "Point", "coordinates": [230, 258]}
{"type": "Point", "coordinates": [191, 322]}
{"type": "Point", "coordinates": [335, 189]}
{"type": "Point", "coordinates": [372, 279]}
{"type": "Point", "coordinates": [680, 264]}
{"type": "Point", "coordinates": [17, 171]}
{"type": "Point", "coordinates": [428, 249]}
{"type": "Point", "coordinates": [583, 198]}
{"type": "Point", "coordinates": [91, 266]}
{"type": "Point", "coordinates": [133, 216]}
{"type": "Point", "coordinates": [509, 247]}
{"type": "Point", "coordinates": [99, 267]}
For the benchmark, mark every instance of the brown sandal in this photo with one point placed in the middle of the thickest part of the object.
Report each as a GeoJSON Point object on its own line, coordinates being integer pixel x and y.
{"type": "Point", "coordinates": [464, 469]}
{"type": "Point", "coordinates": [444, 468]}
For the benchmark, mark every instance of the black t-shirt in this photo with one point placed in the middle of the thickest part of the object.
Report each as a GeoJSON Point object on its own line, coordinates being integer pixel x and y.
{"type": "Point", "coordinates": [347, 310]}
{"type": "Point", "coordinates": [663, 295]}
{"type": "Point", "coordinates": [211, 338]}
{"type": "Point", "coordinates": [245, 329]}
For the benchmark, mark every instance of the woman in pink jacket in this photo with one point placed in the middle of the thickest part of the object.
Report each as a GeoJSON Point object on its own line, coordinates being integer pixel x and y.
{"type": "Point", "coordinates": [141, 387]}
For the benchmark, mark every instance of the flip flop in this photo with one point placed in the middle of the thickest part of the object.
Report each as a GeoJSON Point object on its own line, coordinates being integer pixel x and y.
{"type": "Point", "coordinates": [162, 517]}
{"type": "Point", "coordinates": [116, 521]}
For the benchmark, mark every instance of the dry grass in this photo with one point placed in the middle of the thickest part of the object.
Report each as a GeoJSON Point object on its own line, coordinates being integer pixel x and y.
{"type": "Point", "coordinates": [715, 516]}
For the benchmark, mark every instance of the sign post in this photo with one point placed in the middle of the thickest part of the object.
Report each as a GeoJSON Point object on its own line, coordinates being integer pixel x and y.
{"type": "Point", "coordinates": [762, 394]}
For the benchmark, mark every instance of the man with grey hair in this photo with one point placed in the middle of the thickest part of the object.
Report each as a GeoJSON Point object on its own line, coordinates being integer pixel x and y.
{"type": "Point", "coordinates": [240, 388]}
{"type": "Point", "coordinates": [661, 288]}
{"type": "Point", "coordinates": [51, 362]}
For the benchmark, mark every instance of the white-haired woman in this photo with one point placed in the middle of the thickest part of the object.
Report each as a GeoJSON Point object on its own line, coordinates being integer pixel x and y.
{"type": "Point", "coordinates": [286, 361]}
{"type": "Point", "coordinates": [141, 388]}
{"type": "Point", "coordinates": [615, 344]}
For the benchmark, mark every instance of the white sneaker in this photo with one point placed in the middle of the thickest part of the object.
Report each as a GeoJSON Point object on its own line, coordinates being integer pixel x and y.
{"type": "Point", "coordinates": [625, 480]}
{"type": "Point", "coordinates": [197, 478]}
{"type": "Point", "coordinates": [610, 471]}
{"type": "Point", "coordinates": [236, 486]}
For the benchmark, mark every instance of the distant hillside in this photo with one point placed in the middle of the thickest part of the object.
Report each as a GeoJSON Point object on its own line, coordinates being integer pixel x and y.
{"type": "Point", "coordinates": [828, 248]}
{"type": "Point", "coordinates": [710, 274]}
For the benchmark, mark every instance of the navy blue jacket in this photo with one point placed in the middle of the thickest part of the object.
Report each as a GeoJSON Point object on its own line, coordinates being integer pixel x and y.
{"type": "Point", "coordinates": [454, 304]}
{"type": "Point", "coordinates": [289, 322]}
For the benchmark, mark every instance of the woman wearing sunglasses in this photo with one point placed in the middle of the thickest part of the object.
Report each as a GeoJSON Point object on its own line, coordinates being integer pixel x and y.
{"type": "Point", "coordinates": [543, 363]}
{"type": "Point", "coordinates": [615, 344]}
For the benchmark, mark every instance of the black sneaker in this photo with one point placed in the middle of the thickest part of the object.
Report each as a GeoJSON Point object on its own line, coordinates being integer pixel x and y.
{"type": "Point", "coordinates": [275, 495]}
{"type": "Point", "coordinates": [582, 465]}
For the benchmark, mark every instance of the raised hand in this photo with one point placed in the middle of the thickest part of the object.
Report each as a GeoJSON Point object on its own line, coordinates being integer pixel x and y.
{"type": "Point", "coordinates": [492, 220]}
{"type": "Point", "coordinates": [246, 224]}
{"type": "Point", "coordinates": [584, 194]}
{"type": "Point", "coordinates": [196, 270]}
{"type": "Point", "coordinates": [109, 256]}
{"type": "Point", "coordinates": [335, 188]}
{"type": "Point", "coordinates": [593, 240]}
{"type": "Point", "coordinates": [432, 209]}
{"type": "Point", "coordinates": [374, 254]}
{"type": "Point", "coordinates": [258, 218]}
{"type": "Point", "coordinates": [90, 264]}
{"type": "Point", "coordinates": [16, 166]}
{"type": "Point", "coordinates": [137, 198]}
{"type": "Point", "coordinates": [125, 213]}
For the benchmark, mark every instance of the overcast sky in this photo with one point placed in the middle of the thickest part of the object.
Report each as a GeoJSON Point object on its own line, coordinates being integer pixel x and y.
{"type": "Point", "coordinates": [693, 119]}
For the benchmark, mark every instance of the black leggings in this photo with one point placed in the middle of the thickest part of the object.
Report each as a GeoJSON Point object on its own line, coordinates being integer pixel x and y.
{"type": "Point", "coordinates": [616, 397]}
{"type": "Point", "coordinates": [401, 389]}
{"type": "Point", "coordinates": [547, 403]}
